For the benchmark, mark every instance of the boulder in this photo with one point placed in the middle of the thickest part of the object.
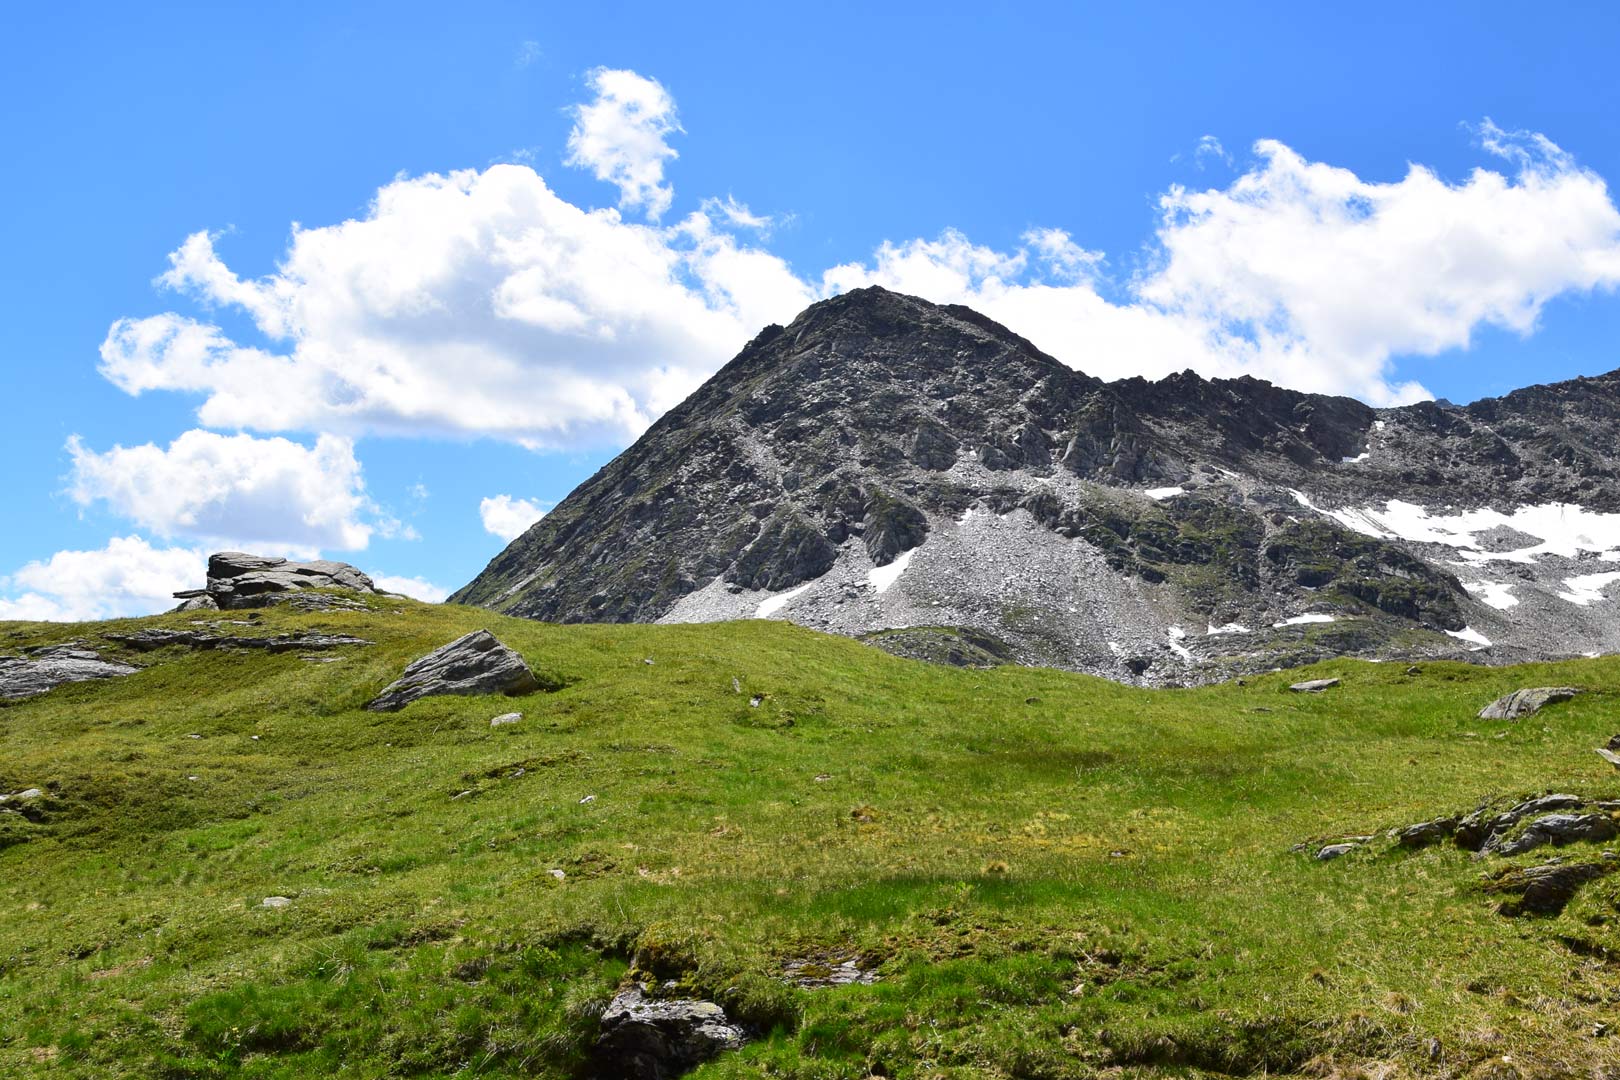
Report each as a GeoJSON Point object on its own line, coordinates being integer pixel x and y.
{"type": "Point", "coordinates": [473, 664]}
{"type": "Point", "coordinates": [1313, 686]}
{"type": "Point", "coordinates": [239, 580]}
{"type": "Point", "coordinates": [49, 666]}
{"type": "Point", "coordinates": [1525, 702]}
{"type": "Point", "coordinates": [644, 1038]}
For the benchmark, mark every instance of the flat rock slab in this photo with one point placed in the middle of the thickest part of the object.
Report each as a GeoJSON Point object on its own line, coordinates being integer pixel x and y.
{"type": "Point", "coordinates": [146, 640]}
{"type": "Point", "coordinates": [473, 664]}
{"type": "Point", "coordinates": [50, 666]}
{"type": "Point", "coordinates": [1526, 702]}
{"type": "Point", "coordinates": [646, 1038]}
{"type": "Point", "coordinates": [1313, 686]}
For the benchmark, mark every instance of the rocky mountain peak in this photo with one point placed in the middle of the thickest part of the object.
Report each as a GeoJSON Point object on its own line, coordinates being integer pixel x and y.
{"type": "Point", "coordinates": [883, 463]}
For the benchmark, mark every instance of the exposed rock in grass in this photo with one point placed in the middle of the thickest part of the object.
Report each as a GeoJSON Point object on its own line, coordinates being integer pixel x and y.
{"type": "Point", "coordinates": [1425, 833]}
{"type": "Point", "coordinates": [1313, 686]}
{"type": "Point", "coordinates": [506, 718]}
{"type": "Point", "coordinates": [1548, 888]}
{"type": "Point", "coordinates": [47, 667]}
{"type": "Point", "coordinates": [646, 1038]}
{"type": "Point", "coordinates": [156, 638]}
{"type": "Point", "coordinates": [473, 664]}
{"type": "Point", "coordinates": [1526, 702]}
{"type": "Point", "coordinates": [1334, 851]}
{"type": "Point", "coordinates": [1555, 829]}
{"type": "Point", "coordinates": [239, 580]}
{"type": "Point", "coordinates": [956, 646]}
{"type": "Point", "coordinates": [273, 902]}
{"type": "Point", "coordinates": [813, 972]}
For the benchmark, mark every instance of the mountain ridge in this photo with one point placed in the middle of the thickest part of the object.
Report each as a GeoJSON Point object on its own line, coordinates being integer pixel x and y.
{"type": "Point", "coordinates": [875, 423]}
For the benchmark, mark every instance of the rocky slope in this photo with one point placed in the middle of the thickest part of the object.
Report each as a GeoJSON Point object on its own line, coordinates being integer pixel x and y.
{"type": "Point", "coordinates": [922, 476]}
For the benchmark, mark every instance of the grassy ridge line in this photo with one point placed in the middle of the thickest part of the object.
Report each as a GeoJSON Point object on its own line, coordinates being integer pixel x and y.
{"type": "Point", "coordinates": [1057, 874]}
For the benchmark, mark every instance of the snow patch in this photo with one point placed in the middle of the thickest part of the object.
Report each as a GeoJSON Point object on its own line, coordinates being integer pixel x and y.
{"type": "Point", "coordinates": [1469, 634]}
{"type": "Point", "coordinates": [772, 604]}
{"type": "Point", "coordinates": [1495, 593]}
{"type": "Point", "coordinates": [1164, 493]}
{"type": "Point", "coordinates": [1176, 635]}
{"type": "Point", "coordinates": [1363, 456]}
{"type": "Point", "coordinates": [1303, 620]}
{"type": "Point", "coordinates": [1587, 589]}
{"type": "Point", "coordinates": [1564, 529]}
{"type": "Point", "coordinates": [882, 577]}
{"type": "Point", "coordinates": [1229, 628]}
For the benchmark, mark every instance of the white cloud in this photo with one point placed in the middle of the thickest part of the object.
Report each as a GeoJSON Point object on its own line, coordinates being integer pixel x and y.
{"type": "Point", "coordinates": [1209, 147]}
{"type": "Point", "coordinates": [235, 488]}
{"type": "Point", "coordinates": [509, 518]}
{"type": "Point", "coordinates": [482, 304]}
{"type": "Point", "coordinates": [739, 216]}
{"type": "Point", "coordinates": [477, 303]}
{"type": "Point", "coordinates": [127, 577]}
{"type": "Point", "coordinates": [1300, 273]}
{"type": "Point", "coordinates": [620, 137]}
{"type": "Point", "coordinates": [528, 53]}
{"type": "Point", "coordinates": [414, 587]}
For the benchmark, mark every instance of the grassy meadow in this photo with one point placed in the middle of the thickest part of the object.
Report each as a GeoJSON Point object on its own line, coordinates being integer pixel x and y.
{"type": "Point", "coordinates": [1051, 875]}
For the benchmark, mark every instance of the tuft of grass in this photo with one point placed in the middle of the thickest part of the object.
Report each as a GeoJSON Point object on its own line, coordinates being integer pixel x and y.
{"type": "Point", "coordinates": [1053, 876]}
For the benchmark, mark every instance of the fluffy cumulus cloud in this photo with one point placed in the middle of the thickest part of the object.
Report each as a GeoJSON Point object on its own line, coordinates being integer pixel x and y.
{"type": "Point", "coordinates": [414, 587]}
{"type": "Point", "coordinates": [127, 577]}
{"type": "Point", "coordinates": [480, 303]}
{"type": "Point", "coordinates": [621, 137]}
{"type": "Point", "coordinates": [509, 518]}
{"type": "Point", "coordinates": [234, 488]}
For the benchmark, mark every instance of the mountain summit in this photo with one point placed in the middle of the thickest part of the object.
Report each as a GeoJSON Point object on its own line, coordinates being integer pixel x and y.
{"type": "Point", "coordinates": [921, 476]}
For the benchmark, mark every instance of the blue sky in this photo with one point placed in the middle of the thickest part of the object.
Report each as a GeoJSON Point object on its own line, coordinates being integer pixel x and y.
{"type": "Point", "coordinates": [528, 228]}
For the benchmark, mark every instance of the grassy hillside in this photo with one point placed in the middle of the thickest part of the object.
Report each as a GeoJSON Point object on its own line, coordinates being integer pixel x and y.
{"type": "Point", "coordinates": [1053, 876]}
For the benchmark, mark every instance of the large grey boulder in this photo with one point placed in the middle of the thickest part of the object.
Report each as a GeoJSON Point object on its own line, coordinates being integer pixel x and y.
{"type": "Point", "coordinates": [647, 1038]}
{"type": "Point", "coordinates": [49, 666]}
{"type": "Point", "coordinates": [1525, 702]}
{"type": "Point", "coordinates": [475, 663]}
{"type": "Point", "coordinates": [239, 580]}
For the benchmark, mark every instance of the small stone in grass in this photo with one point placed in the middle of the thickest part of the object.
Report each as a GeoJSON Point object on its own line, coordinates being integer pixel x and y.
{"type": "Point", "coordinates": [506, 718]}
{"type": "Point", "coordinates": [275, 902]}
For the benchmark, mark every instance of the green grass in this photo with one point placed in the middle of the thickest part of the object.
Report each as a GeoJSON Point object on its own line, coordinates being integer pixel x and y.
{"type": "Point", "coordinates": [1055, 876]}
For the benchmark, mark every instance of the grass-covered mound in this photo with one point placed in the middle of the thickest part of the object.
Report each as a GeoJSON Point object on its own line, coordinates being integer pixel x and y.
{"type": "Point", "coordinates": [1051, 875]}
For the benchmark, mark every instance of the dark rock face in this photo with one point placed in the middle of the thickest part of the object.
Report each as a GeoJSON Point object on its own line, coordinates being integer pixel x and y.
{"type": "Point", "coordinates": [47, 667]}
{"type": "Point", "coordinates": [1526, 702]}
{"type": "Point", "coordinates": [1094, 526]}
{"type": "Point", "coordinates": [473, 664]}
{"type": "Point", "coordinates": [647, 1038]}
{"type": "Point", "coordinates": [238, 580]}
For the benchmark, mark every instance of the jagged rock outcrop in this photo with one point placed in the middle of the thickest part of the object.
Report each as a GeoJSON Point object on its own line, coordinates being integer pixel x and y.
{"type": "Point", "coordinates": [49, 666]}
{"type": "Point", "coordinates": [239, 580]}
{"type": "Point", "coordinates": [474, 663]}
{"type": "Point", "coordinates": [886, 463]}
